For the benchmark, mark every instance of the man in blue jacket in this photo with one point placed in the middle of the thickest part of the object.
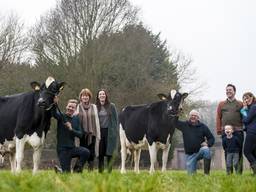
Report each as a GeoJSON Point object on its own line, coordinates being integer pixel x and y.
{"type": "Point", "coordinates": [197, 140]}
{"type": "Point", "coordinates": [68, 127]}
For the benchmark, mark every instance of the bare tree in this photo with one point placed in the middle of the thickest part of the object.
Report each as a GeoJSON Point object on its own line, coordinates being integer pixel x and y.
{"type": "Point", "coordinates": [13, 41]}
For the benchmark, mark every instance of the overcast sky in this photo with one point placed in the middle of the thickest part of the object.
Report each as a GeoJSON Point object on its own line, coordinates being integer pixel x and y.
{"type": "Point", "coordinates": [218, 35]}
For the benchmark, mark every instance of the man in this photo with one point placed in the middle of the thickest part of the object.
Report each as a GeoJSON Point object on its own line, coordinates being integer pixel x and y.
{"type": "Point", "coordinates": [68, 127]}
{"type": "Point", "coordinates": [197, 140]}
{"type": "Point", "coordinates": [228, 113]}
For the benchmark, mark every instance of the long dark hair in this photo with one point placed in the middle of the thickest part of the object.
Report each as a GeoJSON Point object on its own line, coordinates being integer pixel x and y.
{"type": "Point", "coordinates": [107, 102]}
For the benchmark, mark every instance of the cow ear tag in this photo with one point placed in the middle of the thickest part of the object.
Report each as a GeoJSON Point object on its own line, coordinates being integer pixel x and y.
{"type": "Point", "coordinates": [35, 85]}
{"type": "Point", "coordinates": [162, 96]}
{"type": "Point", "coordinates": [62, 84]}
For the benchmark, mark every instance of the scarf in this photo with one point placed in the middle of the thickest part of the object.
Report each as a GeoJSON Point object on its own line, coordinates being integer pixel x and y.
{"type": "Point", "coordinates": [87, 118]}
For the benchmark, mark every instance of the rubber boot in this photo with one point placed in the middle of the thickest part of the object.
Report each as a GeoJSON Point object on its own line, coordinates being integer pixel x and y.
{"type": "Point", "coordinates": [229, 171]}
{"type": "Point", "coordinates": [207, 166]}
{"type": "Point", "coordinates": [78, 168]}
{"type": "Point", "coordinates": [253, 166]}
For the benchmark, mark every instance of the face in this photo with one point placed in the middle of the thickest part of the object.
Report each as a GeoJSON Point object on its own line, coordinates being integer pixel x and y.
{"type": "Point", "coordinates": [70, 109]}
{"type": "Point", "coordinates": [228, 130]}
{"type": "Point", "coordinates": [102, 96]}
{"type": "Point", "coordinates": [85, 98]}
{"type": "Point", "coordinates": [175, 102]}
{"type": "Point", "coordinates": [230, 92]}
{"type": "Point", "coordinates": [48, 93]}
{"type": "Point", "coordinates": [193, 118]}
{"type": "Point", "coordinates": [247, 100]}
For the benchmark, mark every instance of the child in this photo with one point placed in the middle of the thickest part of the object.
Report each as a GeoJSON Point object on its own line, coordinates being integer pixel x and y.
{"type": "Point", "coordinates": [231, 145]}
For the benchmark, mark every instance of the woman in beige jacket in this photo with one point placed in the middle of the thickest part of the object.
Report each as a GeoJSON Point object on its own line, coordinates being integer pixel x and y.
{"type": "Point", "coordinates": [88, 115]}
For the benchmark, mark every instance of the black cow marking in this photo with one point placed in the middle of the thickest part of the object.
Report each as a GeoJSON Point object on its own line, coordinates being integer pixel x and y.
{"type": "Point", "coordinates": [149, 127]}
{"type": "Point", "coordinates": [25, 118]}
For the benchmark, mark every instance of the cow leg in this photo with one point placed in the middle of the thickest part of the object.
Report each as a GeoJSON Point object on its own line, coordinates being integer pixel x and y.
{"type": "Point", "coordinates": [137, 160]}
{"type": "Point", "coordinates": [37, 143]}
{"type": "Point", "coordinates": [123, 149]}
{"type": "Point", "coordinates": [36, 158]}
{"type": "Point", "coordinates": [165, 157]}
{"type": "Point", "coordinates": [12, 162]}
{"type": "Point", "coordinates": [152, 152]}
{"type": "Point", "coordinates": [20, 143]}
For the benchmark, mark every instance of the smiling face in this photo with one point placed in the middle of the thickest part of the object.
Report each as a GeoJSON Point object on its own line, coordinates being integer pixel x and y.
{"type": "Point", "coordinates": [228, 130]}
{"type": "Point", "coordinates": [230, 92]}
{"type": "Point", "coordinates": [102, 96]}
{"type": "Point", "coordinates": [85, 98]}
{"type": "Point", "coordinates": [247, 100]}
{"type": "Point", "coordinates": [194, 117]}
{"type": "Point", "coordinates": [71, 107]}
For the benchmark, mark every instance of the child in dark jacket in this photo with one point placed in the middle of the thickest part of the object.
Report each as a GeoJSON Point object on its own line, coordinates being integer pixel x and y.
{"type": "Point", "coordinates": [231, 145]}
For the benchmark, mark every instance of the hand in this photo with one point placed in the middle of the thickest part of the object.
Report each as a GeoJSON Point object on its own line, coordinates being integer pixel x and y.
{"type": "Point", "coordinates": [245, 105]}
{"type": "Point", "coordinates": [68, 125]}
{"type": "Point", "coordinates": [56, 99]}
{"type": "Point", "coordinates": [219, 132]}
{"type": "Point", "coordinates": [204, 144]}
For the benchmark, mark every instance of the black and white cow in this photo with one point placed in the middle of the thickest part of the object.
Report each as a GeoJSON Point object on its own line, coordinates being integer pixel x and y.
{"type": "Point", "coordinates": [25, 118]}
{"type": "Point", "coordinates": [149, 127]}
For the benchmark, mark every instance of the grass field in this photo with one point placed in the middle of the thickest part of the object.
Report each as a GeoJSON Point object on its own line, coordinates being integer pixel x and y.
{"type": "Point", "coordinates": [159, 182]}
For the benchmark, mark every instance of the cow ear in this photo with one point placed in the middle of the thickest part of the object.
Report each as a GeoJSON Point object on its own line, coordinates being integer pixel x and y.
{"type": "Point", "coordinates": [35, 85]}
{"type": "Point", "coordinates": [62, 84]}
{"type": "Point", "coordinates": [184, 95]}
{"type": "Point", "coordinates": [162, 96]}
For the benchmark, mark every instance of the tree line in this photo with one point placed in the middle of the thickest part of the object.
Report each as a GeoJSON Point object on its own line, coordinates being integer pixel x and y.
{"type": "Point", "coordinates": [94, 44]}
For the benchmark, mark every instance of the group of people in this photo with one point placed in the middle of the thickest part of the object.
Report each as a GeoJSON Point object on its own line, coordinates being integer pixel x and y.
{"type": "Point", "coordinates": [88, 130]}
{"type": "Point", "coordinates": [85, 131]}
{"type": "Point", "coordinates": [233, 118]}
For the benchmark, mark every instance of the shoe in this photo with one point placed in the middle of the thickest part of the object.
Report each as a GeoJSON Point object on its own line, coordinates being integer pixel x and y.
{"type": "Point", "coordinates": [253, 166]}
{"type": "Point", "coordinates": [78, 168]}
{"type": "Point", "coordinates": [207, 166]}
{"type": "Point", "coordinates": [57, 169]}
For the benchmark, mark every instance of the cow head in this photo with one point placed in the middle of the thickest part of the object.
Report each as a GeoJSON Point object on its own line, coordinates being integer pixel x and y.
{"type": "Point", "coordinates": [47, 92]}
{"type": "Point", "coordinates": [174, 101]}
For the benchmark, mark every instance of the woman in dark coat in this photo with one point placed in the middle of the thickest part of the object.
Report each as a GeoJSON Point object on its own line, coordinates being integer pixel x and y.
{"type": "Point", "coordinates": [108, 129]}
{"type": "Point", "coordinates": [249, 119]}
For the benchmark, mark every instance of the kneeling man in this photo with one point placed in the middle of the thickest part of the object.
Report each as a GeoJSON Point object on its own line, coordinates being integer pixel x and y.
{"type": "Point", "coordinates": [67, 129]}
{"type": "Point", "coordinates": [197, 139]}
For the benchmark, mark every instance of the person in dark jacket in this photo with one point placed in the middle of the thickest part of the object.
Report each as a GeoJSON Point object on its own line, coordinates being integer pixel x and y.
{"type": "Point", "coordinates": [249, 119]}
{"type": "Point", "coordinates": [197, 140]}
{"type": "Point", "coordinates": [232, 145]}
{"type": "Point", "coordinates": [68, 127]}
{"type": "Point", "coordinates": [108, 129]}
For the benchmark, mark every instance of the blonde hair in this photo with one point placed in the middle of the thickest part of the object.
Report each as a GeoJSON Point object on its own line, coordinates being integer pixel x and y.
{"type": "Point", "coordinates": [249, 94]}
{"type": "Point", "coordinates": [73, 101]}
{"type": "Point", "coordinates": [85, 91]}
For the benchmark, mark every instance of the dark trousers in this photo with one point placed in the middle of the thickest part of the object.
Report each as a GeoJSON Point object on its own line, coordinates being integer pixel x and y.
{"type": "Point", "coordinates": [250, 148]}
{"type": "Point", "coordinates": [65, 156]}
{"type": "Point", "coordinates": [103, 150]}
{"type": "Point", "coordinates": [240, 136]}
{"type": "Point", "coordinates": [90, 147]}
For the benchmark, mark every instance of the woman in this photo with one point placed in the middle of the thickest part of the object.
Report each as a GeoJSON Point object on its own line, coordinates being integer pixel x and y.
{"type": "Point", "coordinates": [88, 115]}
{"type": "Point", "coordinates": [249, 119]}
{"type": "Point", "coordinates": [108, 128]}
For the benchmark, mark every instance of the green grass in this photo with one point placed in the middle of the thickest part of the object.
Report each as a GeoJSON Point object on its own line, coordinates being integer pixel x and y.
{"type": "Point", "coordinates": [159, 182]}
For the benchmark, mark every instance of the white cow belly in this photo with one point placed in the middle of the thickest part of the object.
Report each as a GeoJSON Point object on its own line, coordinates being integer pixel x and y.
{"type": "Point", "coordinates": [143, 144]}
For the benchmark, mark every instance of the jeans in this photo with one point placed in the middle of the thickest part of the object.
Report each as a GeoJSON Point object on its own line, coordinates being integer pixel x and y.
{"type": "Point", "coordinates": [232, 160]}
{"type": "Point", "coordinates": [191, 160]}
